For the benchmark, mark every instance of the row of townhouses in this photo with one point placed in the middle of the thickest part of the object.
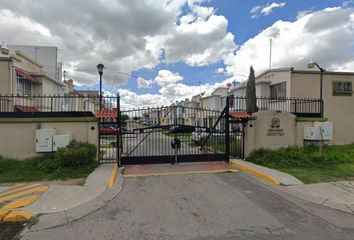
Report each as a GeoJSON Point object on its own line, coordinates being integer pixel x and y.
{"type": "Point", "coordinates": [295, 91]}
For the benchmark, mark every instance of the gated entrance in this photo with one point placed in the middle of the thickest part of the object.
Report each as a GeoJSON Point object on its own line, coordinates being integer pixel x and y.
{"type": "Point", "coordinates": [108, 131]}
{"type": "Point", "coordinates": [174, 134]}
{"type": "Point", "coordinates": [170, 134]}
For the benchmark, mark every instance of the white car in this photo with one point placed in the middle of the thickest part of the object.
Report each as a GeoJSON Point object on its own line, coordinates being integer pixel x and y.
{"type": "Point", "coordinates": [202, 133]}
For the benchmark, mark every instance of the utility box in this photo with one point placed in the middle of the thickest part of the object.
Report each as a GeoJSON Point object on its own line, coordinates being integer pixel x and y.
{"type": "Point", "coordinates": [44, 140]}
{"type": "Point", "coordinates": [312, 133]}
{"type": "Point", "coordinates": [320, 131]}
{"type": "Point", "coordinates": [60, 141]}
{"type": "Point", "coordinates": [326, 128]}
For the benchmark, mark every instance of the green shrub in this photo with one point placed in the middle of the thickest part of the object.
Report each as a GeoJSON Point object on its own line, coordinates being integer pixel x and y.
{"type": "Point", "coordinates": [77, 155]}
{"type": "Point", "coordinates": [47, 163]}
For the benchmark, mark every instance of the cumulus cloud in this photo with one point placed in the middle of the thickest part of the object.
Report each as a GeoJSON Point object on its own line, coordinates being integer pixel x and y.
{"type": "Point", "coordinates": [265, 10]}
{"type": "Point", "coordinates": [326, 35]}
{"type": "Point", "coordinates": [171, 89]}
{"type": "Point", "coordinates": [143, 83]}
{"type": "Point", "coordinates": [105, 31]}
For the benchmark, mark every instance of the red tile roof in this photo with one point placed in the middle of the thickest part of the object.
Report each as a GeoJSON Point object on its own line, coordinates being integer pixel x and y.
{"type": "Point", "coordinates": [26, 108]}
{"type": "Point", "coordinates": [240, 115]}
{"type": "Point", "coordinates": [106, 114]}
{"type": "Point", "coordinates": [27, 75]}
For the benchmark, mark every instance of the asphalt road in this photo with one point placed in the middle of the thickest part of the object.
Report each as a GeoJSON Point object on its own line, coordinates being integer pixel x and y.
{"type": "Point", "coordinates": [205, 206]}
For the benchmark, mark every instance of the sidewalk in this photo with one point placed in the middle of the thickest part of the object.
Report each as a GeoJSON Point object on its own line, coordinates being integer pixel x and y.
{"type": "Point", "coordinates": [59, 198]}
{"type": "Point", "coordinates": [61, 205]}
{"type": "Point", "coordinates": [336, 195]}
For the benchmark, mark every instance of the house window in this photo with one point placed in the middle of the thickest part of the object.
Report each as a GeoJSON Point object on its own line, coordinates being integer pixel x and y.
{"type": "Point", "coordinates": [278, 90]}
{"type": "Point", "coordinates": [24, 86]}
{"type": "Point", "coordinates": [342, 88]}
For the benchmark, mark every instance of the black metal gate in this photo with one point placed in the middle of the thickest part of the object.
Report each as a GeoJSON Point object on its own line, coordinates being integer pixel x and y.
{"type": "Point", "coordinates": [174, 134]}
{"type": "Point", "coordinates": [108, 131]}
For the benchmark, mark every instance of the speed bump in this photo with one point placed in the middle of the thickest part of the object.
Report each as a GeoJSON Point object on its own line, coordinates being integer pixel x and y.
{"type": "Point", "coordinates": [23, 193]}
{"type": "Point", "coordinates": [17, 197]}
{"type": "Point", "coordinates": [18, 216]}
{"type": "Point", "coordinates": [22, 202]}
{"type": "Point", "coordinates": [3, 214]}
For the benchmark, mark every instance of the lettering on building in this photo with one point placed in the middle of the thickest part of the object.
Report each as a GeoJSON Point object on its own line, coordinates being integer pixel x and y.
{"type": "Point", "coordinates": [275, 129]}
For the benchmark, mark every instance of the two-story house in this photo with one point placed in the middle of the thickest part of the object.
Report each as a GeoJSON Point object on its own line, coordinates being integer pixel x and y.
{"type": "Point", "coordinates": [336, 88]}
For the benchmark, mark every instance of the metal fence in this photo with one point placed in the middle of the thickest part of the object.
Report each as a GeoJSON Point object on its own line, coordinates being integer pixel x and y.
{"type": "Point", "coordinates": [23, 103]}
{"type": "Point", "coordinates": [300, 107]}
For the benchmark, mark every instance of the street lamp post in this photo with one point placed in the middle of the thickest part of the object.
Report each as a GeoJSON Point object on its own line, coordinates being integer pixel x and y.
{"type": "Point", "coordinates": [312, 64]}
{"type": "Point", "coordinates": [100, 68]}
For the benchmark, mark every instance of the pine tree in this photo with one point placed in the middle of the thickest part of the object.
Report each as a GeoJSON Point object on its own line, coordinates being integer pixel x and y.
{"type": "Point", "coordinates": [251, 101]}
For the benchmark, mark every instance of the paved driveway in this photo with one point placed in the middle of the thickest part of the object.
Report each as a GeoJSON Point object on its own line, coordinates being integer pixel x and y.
{"type": "Point", "coordinates": [204, 206]}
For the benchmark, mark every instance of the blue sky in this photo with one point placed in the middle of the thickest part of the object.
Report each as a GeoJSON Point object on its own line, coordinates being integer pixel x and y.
{"type": "Point", "coordinates": [243, 27]}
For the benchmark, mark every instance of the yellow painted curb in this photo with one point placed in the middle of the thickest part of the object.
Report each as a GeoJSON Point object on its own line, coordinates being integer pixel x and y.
{"type": "Point", "coordinates": [22, 202]}
{"type": "Point", "coordinates": [18, 216]}
{"type": "Point", "coordinates": [3, 214]}
{"type": "Point", "coordinates": [256, 173]}
{"type": "Point", "coordinates": [112, 178]}
{"type": "Point", "coordinates": [23, 193]}
{"type": "Point", "coordinates": [18, 188]}
{"type": "Point", "coordinates": [179, 173]}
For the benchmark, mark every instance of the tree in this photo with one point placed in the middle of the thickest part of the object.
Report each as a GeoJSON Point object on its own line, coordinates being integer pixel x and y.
{"type": "Point", "coordinates": [251, 101]}
{"type": "Point", "coordinates": [123, 120]}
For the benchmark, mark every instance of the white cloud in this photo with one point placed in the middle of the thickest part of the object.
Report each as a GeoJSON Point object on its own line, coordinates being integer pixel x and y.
{"type": "Point", "coordinates": [143, 83]}
{"type": "Point", "coordinates": [200, 43]}
{"type": "Point", "coordinates": [185, 30]}
{"type": "Point", "coordinates": [171, 89]}
{"type": "Point", "coordinates": [220, 70]}
{"type": "Point", "coordinates": [326, 35]}
{"type": "Point", "coordinates": [303, 13]}
{"type": "Point", "coordinates": [266, 9]}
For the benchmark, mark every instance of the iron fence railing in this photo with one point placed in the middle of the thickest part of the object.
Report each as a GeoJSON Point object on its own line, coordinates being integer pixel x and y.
{"type": "Point", "coordinates": [21, 103]}
{"type": "Point", "coordinates": [300, 107]}
{"type": "Point", "coordinates": [24, 103]}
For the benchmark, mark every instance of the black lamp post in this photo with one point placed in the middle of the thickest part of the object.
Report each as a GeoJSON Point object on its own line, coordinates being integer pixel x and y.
{"type": "Point", "coordinates": [100, 68]}
{"type": "Point", "coordinates": [312, 64]}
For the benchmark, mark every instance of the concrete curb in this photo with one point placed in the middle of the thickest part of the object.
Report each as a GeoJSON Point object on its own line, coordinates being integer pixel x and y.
{"type": "Point", "coordinates": [61, 218]}
{"type": "Point", "coordinates": [256, 173]}
{"type": "Point", "coordinates": [112, 178]}
{"type": "Point", "coordinates": [267, 174]}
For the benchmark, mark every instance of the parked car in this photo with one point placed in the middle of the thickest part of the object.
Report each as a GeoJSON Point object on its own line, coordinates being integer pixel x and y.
{"type": "Point", "coordinates": [106, 129]}
{"type": "Point", "coordinates": [200, 133]}
{"type": "Point", "coordinates": [182, 129]}
{"type": "Point", "coordinates": [155, 125]}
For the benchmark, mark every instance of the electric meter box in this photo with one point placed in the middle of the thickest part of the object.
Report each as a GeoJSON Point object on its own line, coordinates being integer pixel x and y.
{"type": "Point", "coordinates": [60, 141]}
{"type": "Point", "coordinates": [327, 129]}
{"type": "Point", "coordinates": [44, 140]}
{"type": "Point", "coordinates": [320, 131]}
{"type": "Point", "coordinates": [312, 133]}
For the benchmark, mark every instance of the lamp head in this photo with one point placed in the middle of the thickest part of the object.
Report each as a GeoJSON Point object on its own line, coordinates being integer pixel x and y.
{"type": "Point", "coordinates": [312, 64]}
{"type": "Point", "coordinates": [100, 68]}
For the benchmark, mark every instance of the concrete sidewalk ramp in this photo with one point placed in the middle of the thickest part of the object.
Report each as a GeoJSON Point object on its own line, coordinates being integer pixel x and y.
{"type": "Point", "coordinates": [59, 198]}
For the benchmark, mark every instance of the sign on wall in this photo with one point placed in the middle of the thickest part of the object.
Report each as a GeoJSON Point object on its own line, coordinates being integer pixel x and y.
{"type": "Point", "coordinates": [275, 129]}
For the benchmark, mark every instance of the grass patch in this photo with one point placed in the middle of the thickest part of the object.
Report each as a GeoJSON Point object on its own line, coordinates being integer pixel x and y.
{"type": "Point", "coordinates": [75, 161]}
{"type": "Point", "coordinates": [305, 163]}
